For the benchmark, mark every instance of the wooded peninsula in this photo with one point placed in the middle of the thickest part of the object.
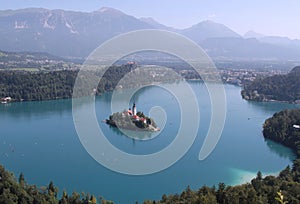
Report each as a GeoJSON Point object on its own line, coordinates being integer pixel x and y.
{"type": "Point", "coordinates": [275, 88]}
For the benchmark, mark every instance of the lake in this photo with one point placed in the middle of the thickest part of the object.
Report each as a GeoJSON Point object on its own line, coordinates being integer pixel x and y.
{"type": "Point", "coordinates": [40, 140]}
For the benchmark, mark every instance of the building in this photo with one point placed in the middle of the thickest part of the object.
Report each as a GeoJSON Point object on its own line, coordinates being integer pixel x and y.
{"type": "Point", "coordinates": [6, 100]}
{"type": "Point", "coordinates": [134, 109]}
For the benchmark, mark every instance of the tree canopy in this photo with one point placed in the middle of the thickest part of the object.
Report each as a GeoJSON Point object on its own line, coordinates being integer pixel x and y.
{"type": "Point", "coordinates": [278, 87]}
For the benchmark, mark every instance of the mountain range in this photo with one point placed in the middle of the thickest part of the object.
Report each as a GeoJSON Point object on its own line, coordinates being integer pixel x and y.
{"type": "Point", "coordinates": [76, 34]}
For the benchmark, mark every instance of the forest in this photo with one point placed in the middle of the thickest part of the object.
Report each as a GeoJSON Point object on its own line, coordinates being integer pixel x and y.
{"type": "Point", "coordinates": [277, 88]}
{"type": "Point", "coordinates": [52, 85]}
{"type": "Point", "coordinates": [282, 128]}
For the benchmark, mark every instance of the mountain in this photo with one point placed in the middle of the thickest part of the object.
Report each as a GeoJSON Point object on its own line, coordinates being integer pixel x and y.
{"type": "Point", "coordinates": [275, 40]}
{"type": "Point", "coordinates": [63, 33]}
{"type": "Point", "coordinates": [76, 34]}
{"type": "Point", "coordinates": [253, 34]}
{"type": "Point", "coordinates": [281, 41]}
{"type": "Point", "coordinates": [156, 24]}
{"type": "Point", "coordinates": [240, 48]}
{"type": "Point", "coordinates": [208, 29]}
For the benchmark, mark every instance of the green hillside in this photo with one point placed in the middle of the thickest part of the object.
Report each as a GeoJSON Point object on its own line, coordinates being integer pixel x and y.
{"type": "Point", "coordinates": [277, 88]}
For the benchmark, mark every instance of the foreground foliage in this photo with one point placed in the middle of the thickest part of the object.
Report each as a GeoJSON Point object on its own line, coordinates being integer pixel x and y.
{"type": "Point", "coordinates": [19, 192]}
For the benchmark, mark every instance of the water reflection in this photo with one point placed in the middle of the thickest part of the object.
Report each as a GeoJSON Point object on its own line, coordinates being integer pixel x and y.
{"type": "Point", "coordinates": [135, 135]}
{"type": "Point", "coordinates": [36, 108]}
{"type": "Point", "coordinates": [272, 107]}
{"type": "Point", "coordinates": [281, 150]}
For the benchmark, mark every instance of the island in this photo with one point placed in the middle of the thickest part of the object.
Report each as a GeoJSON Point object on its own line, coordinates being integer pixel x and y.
{"type": "Point", "coordinates": [132, 120]}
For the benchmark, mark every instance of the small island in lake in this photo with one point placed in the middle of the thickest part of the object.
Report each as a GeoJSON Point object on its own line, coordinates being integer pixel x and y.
{"type": "Point", "coordinates": [132, 120]}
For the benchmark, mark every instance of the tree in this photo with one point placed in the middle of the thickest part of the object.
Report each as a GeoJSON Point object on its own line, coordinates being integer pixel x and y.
{"type": "Point", "coordinates": [22, 180]}
{"type": "Point", "coordinates": [221, 193]}
{"type": "Point", "coordinates": [52, 190]}
{"type": "Point", "coordinates": [259, 176]}
{"type": "Point", "coordinates": [93, 199]}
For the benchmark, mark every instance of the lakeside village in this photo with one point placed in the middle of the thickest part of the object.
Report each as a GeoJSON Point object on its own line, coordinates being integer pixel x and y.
{"type": "Point", "coordinates": [132, 120]}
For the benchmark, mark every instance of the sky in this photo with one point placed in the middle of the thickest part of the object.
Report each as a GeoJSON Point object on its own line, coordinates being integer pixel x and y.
{"type": "Point", "coordinates": [268, 17]}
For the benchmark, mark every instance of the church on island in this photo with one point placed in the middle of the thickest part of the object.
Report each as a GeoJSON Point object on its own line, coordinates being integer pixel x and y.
{"type": "Point", "coordinates": [133, 114]}
{"type": "Point", "coordinates": [132, 119]}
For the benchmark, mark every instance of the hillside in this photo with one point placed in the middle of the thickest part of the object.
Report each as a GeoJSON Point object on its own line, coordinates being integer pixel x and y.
{"type": "Point", "coordinates": [63, 33]}
{"type": "Point", "coordinates": [277, 88]}
{"type": "Point", "coordinates": [23, 85]}
{"type": "Point", "coordinates": [51, 85]}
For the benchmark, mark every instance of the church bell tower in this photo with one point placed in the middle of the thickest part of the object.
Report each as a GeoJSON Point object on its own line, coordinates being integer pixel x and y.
{"type": "Point", "coordinates": [134, 109]}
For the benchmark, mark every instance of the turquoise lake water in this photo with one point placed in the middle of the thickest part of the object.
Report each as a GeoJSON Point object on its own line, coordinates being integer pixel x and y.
{"type": "Point", "coordinates": [40, 140]}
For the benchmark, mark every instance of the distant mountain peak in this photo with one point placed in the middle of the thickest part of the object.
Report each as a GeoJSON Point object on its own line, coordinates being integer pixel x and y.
{"type": "Point", "coordinates": [110, 10]}
{"type": "Point", "coordinates": [253, 34]}
{"type": "Point", "coordinates": [209, 29]}
{"type": "Point", "coordinates": [208, 23]}
{"type": "Point", "coordinates": [155, 24]}
{"type": "Point", "coordinates": [149, 20]}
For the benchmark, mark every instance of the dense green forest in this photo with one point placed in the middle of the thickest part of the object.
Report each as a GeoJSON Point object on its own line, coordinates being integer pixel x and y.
{"type": "Point", "coordinates": [284, 188]}
{"type": "Point", "coordinates": [282, 128]}
{"type": "Point", "coordinates": [23, 85]}
{"type": "Point", "coordinates": [278, 87]}
{"type": "Point", "coordinates": [49, 85]}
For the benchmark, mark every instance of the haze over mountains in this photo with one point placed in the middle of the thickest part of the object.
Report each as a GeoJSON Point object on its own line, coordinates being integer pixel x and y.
{"type": "Point", "coordinates": [76, 34]}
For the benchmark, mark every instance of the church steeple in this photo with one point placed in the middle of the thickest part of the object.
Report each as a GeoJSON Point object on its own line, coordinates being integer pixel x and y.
{"type": "Point", "coordinates": [134, 109]}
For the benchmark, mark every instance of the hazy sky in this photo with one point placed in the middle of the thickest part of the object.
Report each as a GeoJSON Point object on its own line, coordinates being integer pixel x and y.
{"type": "Point", "coordinates": [269, 17]}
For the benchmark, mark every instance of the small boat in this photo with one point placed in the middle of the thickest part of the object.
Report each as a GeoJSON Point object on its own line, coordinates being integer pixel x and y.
{"type": "Point", "coordinates": [296, 126]}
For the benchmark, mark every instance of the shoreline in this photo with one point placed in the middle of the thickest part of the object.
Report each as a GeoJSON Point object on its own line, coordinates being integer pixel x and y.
{"type": "Point", "coordinates": [152, 129]}
{"type": "Point", "coordinates": [270, 101]}
{"type": "Point", "coordinates": [244, 176]}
